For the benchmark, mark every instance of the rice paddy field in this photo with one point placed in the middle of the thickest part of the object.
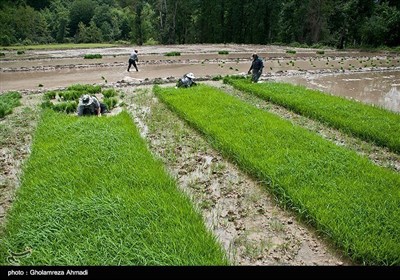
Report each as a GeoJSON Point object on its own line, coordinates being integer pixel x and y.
{"type": "Point", "coordinates": [221, 174]}
{"type": "Point", "coordinates": [92, 194]}
{"type": "Point", "coordinates": [345, 196]}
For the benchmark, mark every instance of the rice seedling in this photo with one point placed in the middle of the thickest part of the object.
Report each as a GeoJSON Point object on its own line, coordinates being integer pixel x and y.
{"type": "Point", "coordinates": [343, 195]}
{"type": "Point", "coordinates": [92, 194]}
{"type": "Point", "coordinates": [8, 101]}
{"type": "Point", "coordinates": [173, 54]}
{"type": "Point", "coordinates": [370, 123]}
{"type": "Point", "coordinates": [92, 56]}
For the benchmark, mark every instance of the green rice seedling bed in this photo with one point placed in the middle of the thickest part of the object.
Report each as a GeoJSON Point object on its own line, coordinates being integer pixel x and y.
{"type": "Point", "coordinates": [92, 194]}
{"type": "Point", "coordinates": [367, 122]}
{"type": "Point", "coordinates": [8, 101]}
{"type": "Point", "coordinates": [346, 197]}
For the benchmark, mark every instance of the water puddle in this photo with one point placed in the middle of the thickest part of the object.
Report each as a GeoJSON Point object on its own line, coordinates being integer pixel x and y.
{"type": "Point", "coordinates": [378, 88]}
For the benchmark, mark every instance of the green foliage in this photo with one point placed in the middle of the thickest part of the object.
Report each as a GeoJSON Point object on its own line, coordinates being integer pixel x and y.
{"type": "Point", "coordinates": [47, 104]}
{"type": "Point", "coordinates": [111, 102]}
{"type": "Point", "coordinates": [331, 23]}
{"type": "Point", "coordinates": [88, 89]}
{"type": "Point", "coordinates": [8, 101]}
{"type": "Point", "coordinates": [68, 99]}
{"type": "Point", "coordinates": [151, 42]}
{"type": "Point", "coordinates": [217, 78]}
{"type": "Point", "coordinates": [223, 52]}
{"type": "Point", "coordinates": [20, 52]}
{"type": "Point", "coordinates": [370, 123]}
{"type": "Point", "coordinates": [5, 40]}
{"type": "Point", "coordinates": [173, 54]}
{"type": "Point", "coordinates": [320, 52]}
{"type": "Point", "coordinates": [2, 54]}
{"type": "Point", "coordinates": [65, 107]}
{"type": "Point", "coordinates": [92, 56]}
{"type": "Point", "coordinates": [68, 95]}
{"type": "Point", "coordinates": [345, 196]}
{"type": "Point", "coordinates": [107, 93]}
{"type": "Point", "coordinates": [291, 51]}
{"type": "Point", "coordinates": [50, 95]}
{"type": "Point", "coordinates": [92, 194]}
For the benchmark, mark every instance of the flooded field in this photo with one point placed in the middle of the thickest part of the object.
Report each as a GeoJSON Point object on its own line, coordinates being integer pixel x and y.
{"type": "Point", "coordinates": [368, 77]}
{"type": "Point", "coordinates": [378, 88]}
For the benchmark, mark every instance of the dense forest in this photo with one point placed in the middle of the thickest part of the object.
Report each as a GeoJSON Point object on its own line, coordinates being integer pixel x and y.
{"type": "Point", "coordinates": [337, 23]}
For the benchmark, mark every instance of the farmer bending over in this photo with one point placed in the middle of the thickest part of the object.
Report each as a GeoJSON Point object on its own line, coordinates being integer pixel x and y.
{"type": "Point", "coordinates": [90, 105]}
{"type": "Point", "coordinates": [186, 81]}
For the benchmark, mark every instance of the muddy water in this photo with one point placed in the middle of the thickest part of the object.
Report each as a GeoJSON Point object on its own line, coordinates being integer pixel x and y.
{"type": "Point", "coordinates": [378, 88]}
{"type": "Point", "coordinates": [65, 77]}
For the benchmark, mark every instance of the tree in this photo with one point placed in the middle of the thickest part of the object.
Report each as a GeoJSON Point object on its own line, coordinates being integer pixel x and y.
{"type": "Point", "coordinates": [57, 18]}
{"type": "Point", "coordinates": [149, 23]}
{"type": "Point", "coordinates": [80, 11]}
{"type": "Point", "coordinates": [382, 27]}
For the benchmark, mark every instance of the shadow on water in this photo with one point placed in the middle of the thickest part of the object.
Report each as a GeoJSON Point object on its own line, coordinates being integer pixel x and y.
{"type": "Point", "coordinates": [378, 88]}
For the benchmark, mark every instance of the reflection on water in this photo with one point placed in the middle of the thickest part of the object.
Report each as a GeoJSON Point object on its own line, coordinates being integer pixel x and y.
{"type": "Point", "coordinates": [379, 88]}
{"type": "Point", "coordinates": [392, 98]}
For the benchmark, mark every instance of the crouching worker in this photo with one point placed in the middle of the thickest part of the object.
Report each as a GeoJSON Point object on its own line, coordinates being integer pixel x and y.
{"type": "Point", "coordinates": [186, 81]}
{"type": "Point", "coordinates": [90, 105]}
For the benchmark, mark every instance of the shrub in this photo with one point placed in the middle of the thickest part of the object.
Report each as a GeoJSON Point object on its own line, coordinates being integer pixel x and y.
{"type": "Point", "coordinates": [20, 52]}
{"type": "Point", "coordinates": [291, 51]}
{"type": "Point", "coordinates": [2, 54]}
{"type": "Point", "coordinates": [320, 52]}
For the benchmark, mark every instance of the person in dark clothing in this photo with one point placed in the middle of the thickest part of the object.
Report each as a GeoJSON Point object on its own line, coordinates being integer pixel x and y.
{"type": "Point", "coordinates": [186, 81]}
{"type": "Point", "coordinates": [90, 105]}
{"type": "Point", "coordinates": [256, 68]}
{"type": "Point", "coordinates": [133, 59]}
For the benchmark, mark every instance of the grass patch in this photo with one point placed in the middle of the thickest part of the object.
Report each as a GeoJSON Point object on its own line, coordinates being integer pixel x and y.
{"type": "Point", "coordinates": [345, 196]}
{"type": "Point", "coordinates": [223, 52]}
{"type": "Point", "coordinates": [173, 54]}
{"type": "Point", "coordinates": [370, 123]}
{"type": "Point", "coordinates": [320, 52]}
{"type": "Point", "coordinates": [8, 101]}
{"type": "Point", "coordinates": [92, 194]}
{"type": "Point", "coordinates": [291, 51]}
{"type": "Point", "coordinates": [92, 56]}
